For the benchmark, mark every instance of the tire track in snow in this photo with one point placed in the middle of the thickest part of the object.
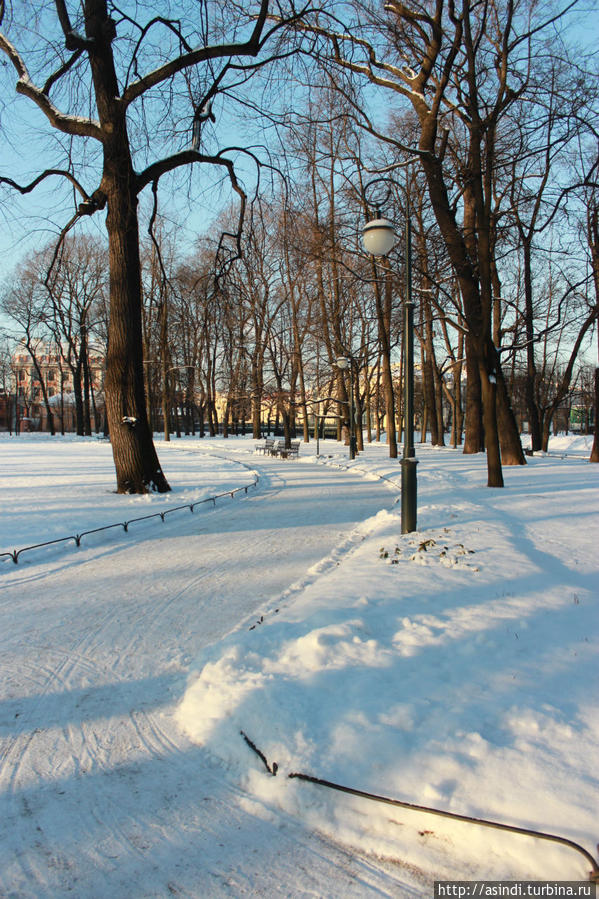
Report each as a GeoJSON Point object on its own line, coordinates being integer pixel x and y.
{"type": "Point", "coordinates": [15, 753]}
{"type": "Point", "coordinates": [128, 780]}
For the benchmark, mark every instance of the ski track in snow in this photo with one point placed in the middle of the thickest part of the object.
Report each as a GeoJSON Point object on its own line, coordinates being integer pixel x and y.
{"type": "Point", "coordinates": [96, 647]}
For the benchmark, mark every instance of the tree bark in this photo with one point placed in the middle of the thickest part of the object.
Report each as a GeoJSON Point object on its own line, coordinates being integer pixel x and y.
{"type": "Point", "coordinates": [509, 434]}
{"type": "Point", "coordinates": [489, 398]}
{"type": "Point", "coordinates": [136, 462]}
{"type": "Point", "coordinates": [473, 438]}
{"type": "Point", "coordinates": [595, 450]}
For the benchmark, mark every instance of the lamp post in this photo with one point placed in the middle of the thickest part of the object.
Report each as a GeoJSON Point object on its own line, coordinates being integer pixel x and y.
{"type": "Point", "coordinates": [344, 363]}
{"type": "Point", "coordinates": [317, 417]}
{"type": "Point", "coordinates": [316, 412]}
{"type": "Point", "coordinates": [379, 239]}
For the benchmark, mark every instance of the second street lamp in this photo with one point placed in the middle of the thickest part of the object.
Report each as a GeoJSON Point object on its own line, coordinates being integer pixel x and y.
{"type": "Point", "coordinates": [379, 239]}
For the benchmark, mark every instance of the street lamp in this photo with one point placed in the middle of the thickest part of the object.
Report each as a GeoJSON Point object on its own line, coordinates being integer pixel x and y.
{"type": "Point", "coordinates": [344, 363]}
{"type": "Point", "coordinates": [379, 238]}
{"type": "Point", "coordinates": [316, 412]}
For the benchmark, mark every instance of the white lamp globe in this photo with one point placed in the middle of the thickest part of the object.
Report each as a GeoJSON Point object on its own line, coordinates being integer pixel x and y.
{"type": "Point", "coordinates": [379, 237]}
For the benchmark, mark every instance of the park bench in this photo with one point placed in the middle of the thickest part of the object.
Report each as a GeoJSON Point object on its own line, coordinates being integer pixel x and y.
{"type": "Point", "coordinates": [287, 452]}
{"type": "Point", "coordinates": [278, 448]}
{"type": "Point", "coordinates": [267, 447]}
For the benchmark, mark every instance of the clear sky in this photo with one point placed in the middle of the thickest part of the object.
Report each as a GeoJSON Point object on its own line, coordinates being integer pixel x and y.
{"type": "Point", "coordinates": [189, 199]}
{"type": "Point", "coordinates": [189, 202]}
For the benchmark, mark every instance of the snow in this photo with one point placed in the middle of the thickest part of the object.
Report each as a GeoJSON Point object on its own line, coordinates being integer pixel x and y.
{"type": "Point", "coordinates": [52, 488]}
{"type": "Point", "coordinates": [453, 668]}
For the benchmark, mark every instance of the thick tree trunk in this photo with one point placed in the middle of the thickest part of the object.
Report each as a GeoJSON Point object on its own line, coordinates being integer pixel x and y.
{"type": "Point", "coordinates": [473, 437]}
{"type": "Point", "coordinates": [136, 463]}
{"type": "Point", "coordinates": [489, 398]}
{"type": "Point", "coordinates": [257, 385]}
{"type": "Point", "coordinates": [389, 395]}
{"type": "Point", "coordinates": [509, 435]}
{"type": "Point", "coordinates": [256, 422]}
{"type": "Point", "coordinates": [433, 391]}
{"type": "Point", "coordinates": [428, 385]}
{"type": "Point", "coordinates": [477, 308]}
{"type": "Point", "coordinates": [438, 380]}
{"type": "Point", "coordinates": [78, 393]}
{"type": "Point", "coordinates": [87, 419]}
{"type": "Point", "coordinates": [546, 431]}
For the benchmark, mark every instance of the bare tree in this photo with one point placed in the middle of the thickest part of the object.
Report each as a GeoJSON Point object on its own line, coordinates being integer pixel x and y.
{"type": "Point", "coordinates": [76, 285]}
{"type": "Point", "coordinates": [461, 68]}
{"type": "Point", "coordinates": [593, 241]}
{"type": "Point", "coordinates": [129, 69]}
{"type": "Point", "coordinates": [25, 304]}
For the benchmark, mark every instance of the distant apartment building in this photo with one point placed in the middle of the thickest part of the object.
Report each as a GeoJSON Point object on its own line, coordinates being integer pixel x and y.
{"type": "Point", "coordinates": [24, 408]}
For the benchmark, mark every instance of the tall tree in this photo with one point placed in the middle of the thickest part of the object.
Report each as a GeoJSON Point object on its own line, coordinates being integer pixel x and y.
{"type": "Point", "coordinates": [76, 284]}
{"type": "Point", "coordinates": [25, 303]}
{"type": "Point", "coordinates": [460, 67]}
{"type": "Point", "coordinates": [130, 67]}
{"type": "Point", "coordinates": [593, 241]}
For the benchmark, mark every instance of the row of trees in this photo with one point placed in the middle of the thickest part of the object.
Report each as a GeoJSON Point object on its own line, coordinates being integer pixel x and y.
{"type": "Point", "coordinates": [476, 122]}
{"type": "Point", "coordinates": [57, 309]}
{"type": "Point", "coordinates": [269, 334]}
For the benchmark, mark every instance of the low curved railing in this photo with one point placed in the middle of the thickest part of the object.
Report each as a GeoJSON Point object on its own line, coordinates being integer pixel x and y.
{"type": "Point", "coordinates": [76, 538]}
{"type": "Point", "coordinates": [427, 810]}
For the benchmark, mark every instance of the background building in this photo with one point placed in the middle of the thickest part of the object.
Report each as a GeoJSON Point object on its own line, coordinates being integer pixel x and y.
{"type": "Point", "coordinates": [74, 393]}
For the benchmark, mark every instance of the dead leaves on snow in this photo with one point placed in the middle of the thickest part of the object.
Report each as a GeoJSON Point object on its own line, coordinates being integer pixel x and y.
{"type": "Point", "coordinates": [438, 549]}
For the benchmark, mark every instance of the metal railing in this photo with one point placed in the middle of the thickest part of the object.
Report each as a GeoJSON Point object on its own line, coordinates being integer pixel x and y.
{"type": "Point", "coordinates": [76, 538]}
{"type": "Point", "coordinates": [427, 810]}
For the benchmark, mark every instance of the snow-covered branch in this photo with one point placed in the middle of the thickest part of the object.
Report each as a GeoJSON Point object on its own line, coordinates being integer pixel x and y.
{"type": "Point", "coordinates": [68, 124]}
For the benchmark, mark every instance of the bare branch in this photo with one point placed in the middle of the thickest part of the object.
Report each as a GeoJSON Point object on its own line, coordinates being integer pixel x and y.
{"type": "Point", "coordinates": [27, 188]}
{"type": "Point", "coordinates": [66, 123]}
{"type": "Point", "coordinates": [251, 47]}
{"type": "Point", "coordinates": [157, 169]}
{"type": "Point", "coordinates": [61, 71]}
{"type": "Point", "coordinates": [73, 40]}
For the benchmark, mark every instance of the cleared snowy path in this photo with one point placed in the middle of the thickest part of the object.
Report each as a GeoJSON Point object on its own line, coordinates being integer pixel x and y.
{"type": "Point", "coordinates": [101, 795]}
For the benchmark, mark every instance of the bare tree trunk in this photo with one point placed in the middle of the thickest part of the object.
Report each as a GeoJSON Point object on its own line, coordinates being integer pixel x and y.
{"type": "Point", "coordinates": [531, 372]}
{"type": "Point", "coordinates": [489, 398]}
{"type": "Point", "coordinates": [136, 463]}
{"type": "Point", "coordinates": [87, 421]}
{"type": "Point", "coordinates": [593, 240]}
{"type": "Point", "coordinates": [428, 385]}
{"type": "Point", "coordinates": [595, 450]}
{"type": "Point", "coordinates": [439, 403]}
{"type": "Point", "coordinates": [473, 439]}
{"type": "Point", "coordinates": [509, 435]}
{"type": "Point", "coordinates": [78, 392]}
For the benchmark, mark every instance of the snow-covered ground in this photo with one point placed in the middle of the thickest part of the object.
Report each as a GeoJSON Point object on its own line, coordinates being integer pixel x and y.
{"type": "Point", "coordinates": [456, 667]}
